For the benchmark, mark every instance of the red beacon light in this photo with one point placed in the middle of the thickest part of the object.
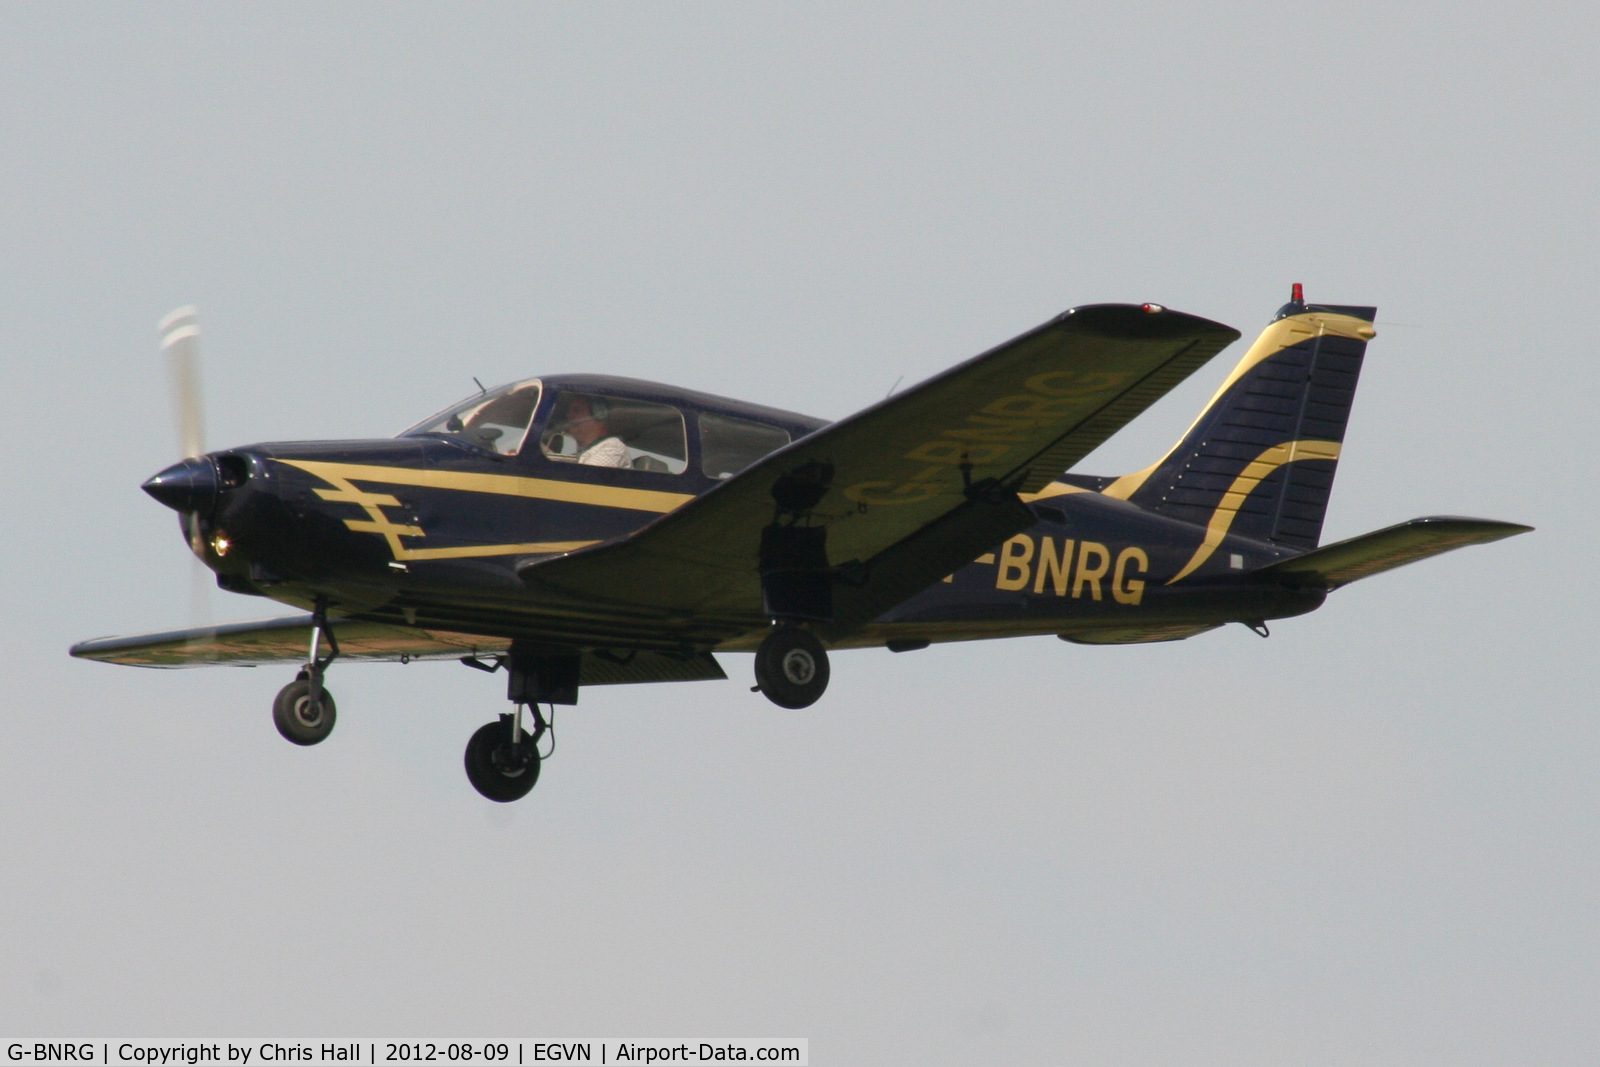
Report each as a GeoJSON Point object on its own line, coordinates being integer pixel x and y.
{"type": "Point", "coordinates": [1151, 309]}
{"type": "Point", "coordinates": [1297, 295]}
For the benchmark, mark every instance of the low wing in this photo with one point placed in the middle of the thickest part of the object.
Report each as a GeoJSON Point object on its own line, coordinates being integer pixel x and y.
{"type": "Point", "coordinates": [1344, 562]}
{"type": "Point", "coordinates": [282, 640]}
{"type": "Point", "coordinates": [901, 494]}
{"type": "Point", "coordinates": [287, 640]}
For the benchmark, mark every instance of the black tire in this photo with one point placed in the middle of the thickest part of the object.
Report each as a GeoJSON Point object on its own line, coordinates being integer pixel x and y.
{"type": "Point", "coordinates": [792, 668]}
{"type": "Point", "coordinates": [497, 769]}
{"type": "Point", "coordinates": [295, 717]}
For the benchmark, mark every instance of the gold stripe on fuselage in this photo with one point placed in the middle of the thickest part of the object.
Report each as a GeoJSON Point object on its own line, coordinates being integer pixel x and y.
{"type": "Point", "coordinates": [500, 485]}
{"type": "Point", "coordinates": [529, 548]}
{"type": "Point", "coordinates": [343, 476]}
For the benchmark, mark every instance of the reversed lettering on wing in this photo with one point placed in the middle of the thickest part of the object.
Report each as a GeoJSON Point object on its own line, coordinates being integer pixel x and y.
{"type": "Point", "coordinates": [1001, 433]}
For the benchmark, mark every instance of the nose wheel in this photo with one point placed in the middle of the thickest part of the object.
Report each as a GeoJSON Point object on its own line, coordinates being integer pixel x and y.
{"type": "Point", "coordinates": [301, 716]}
{"type": "Point", "coordinates": [791, 667]}
{"type": "Point", "coordinates": [503, 760]}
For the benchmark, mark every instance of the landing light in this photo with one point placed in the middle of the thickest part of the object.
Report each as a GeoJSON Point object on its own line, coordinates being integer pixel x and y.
{"type": "Point", "coordinates": [220, 545]}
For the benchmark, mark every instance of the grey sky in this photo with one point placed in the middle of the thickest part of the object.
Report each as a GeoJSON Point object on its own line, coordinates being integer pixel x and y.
{"type": "Point", "coordinates": [1370, 839]}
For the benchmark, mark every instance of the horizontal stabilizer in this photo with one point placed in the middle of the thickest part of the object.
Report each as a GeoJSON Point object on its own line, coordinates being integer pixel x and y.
{"type": "Point", "coordinates": [1373, 553]}
{"type": "Point", "coordinates": [287, 640]}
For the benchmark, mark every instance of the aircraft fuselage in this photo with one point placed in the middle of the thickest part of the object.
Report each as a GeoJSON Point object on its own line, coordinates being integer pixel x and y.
{"type": "Point", "coordinates": [430, 530]}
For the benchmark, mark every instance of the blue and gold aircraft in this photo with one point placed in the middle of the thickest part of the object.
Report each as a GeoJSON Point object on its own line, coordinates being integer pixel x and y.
{"type": "Point", "coordinates": [583, 530]}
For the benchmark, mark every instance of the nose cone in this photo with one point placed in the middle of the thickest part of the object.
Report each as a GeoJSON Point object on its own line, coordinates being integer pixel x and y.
{"type": "Point", "coordinates": [190, 486]}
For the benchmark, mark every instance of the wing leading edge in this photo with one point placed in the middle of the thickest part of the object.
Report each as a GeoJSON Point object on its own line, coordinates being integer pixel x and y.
{"type": "Point", "coordinates": [891, 499]}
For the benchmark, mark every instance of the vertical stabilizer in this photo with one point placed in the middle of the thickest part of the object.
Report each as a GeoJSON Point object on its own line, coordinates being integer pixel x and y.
{"type": "Point", "coordinates": [1259, 461]}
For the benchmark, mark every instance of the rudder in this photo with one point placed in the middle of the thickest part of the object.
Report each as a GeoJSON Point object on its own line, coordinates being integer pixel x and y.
{"type": "Point", "coordinates": [1260, 459]}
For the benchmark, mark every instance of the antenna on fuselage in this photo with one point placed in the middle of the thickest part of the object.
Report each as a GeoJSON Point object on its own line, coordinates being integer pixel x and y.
{"type": "Point", "coordinates": [481, 389]}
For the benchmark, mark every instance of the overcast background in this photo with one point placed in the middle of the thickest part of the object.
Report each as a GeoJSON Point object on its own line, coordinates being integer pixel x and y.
{"type": "Point", "coordinates": [1370, 839]}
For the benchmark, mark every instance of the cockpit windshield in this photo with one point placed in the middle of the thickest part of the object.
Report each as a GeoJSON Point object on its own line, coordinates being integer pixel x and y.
{"type": "Point", "coordinates": [496, 420]}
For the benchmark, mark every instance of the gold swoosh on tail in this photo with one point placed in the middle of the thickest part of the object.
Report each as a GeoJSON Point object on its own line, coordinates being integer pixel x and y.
{"type": "Point", "coordinates": [1254, 473]}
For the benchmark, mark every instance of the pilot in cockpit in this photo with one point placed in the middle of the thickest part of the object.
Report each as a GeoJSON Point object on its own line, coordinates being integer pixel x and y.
{"type": "Point", "coordinates": [597, 445]}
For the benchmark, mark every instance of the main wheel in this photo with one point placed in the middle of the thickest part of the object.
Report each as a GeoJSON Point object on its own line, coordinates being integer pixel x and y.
{"type": "Point", "coordinates": [498, 769]}
{"type": "Point", "coordinates": [791, 667]}
{"type": "Point", "coordinates": [298, 719]}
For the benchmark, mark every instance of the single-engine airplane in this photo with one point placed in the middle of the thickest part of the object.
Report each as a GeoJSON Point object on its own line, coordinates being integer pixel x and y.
{"type": "Point", "coordinates": [583, 530]}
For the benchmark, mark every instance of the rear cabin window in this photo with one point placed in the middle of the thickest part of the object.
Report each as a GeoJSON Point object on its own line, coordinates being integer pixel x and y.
{"type": "Point", "coordinates": [729, 445]}
{"type": "Point", "coordinates": [612, 431]}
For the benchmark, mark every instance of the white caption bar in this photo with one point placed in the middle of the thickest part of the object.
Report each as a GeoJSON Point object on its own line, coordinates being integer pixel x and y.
{"type": "Point", "coordinates": [368, 1053]}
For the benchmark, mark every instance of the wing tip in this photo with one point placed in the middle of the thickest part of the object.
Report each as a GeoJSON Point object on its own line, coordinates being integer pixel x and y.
{"type": "Point", "coordinates": [1142, 321]}
{"type": "Point", "coordinates": [1501, 526]}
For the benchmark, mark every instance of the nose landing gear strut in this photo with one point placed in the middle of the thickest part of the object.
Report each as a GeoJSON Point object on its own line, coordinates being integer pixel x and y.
{"type": "Point", "coordinates": [303, 710]}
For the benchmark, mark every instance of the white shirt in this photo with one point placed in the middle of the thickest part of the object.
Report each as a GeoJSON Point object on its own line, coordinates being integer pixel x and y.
{"type": "Point", "coordinates": [606, 452]}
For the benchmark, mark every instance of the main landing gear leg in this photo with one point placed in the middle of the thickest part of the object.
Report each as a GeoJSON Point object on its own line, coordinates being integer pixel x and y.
{"type": "Point", "coordinates": [791, 667]}
{"type": "Point", "coordinates": [796, 586]}
{"type": "Point", "coordinates": [502, 758]}
{"type": "Point", "coordinates": [303, 710]}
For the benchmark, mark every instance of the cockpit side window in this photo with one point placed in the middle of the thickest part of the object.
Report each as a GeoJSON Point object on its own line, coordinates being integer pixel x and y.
{"type": "Point", "coordinates": [497, 420]}
{"type": "Point", "coordinates": [613, 431]}
{"type": "Point", "coordinates": [729, 445]}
